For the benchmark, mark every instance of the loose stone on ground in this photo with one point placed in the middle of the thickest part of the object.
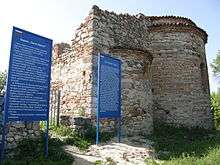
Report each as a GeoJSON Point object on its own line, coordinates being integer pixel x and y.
{"type": "Point", "coordinates": [125, 153]}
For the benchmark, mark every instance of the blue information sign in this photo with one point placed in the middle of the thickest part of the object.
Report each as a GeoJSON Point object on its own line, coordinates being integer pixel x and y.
{"type": "Point", "coordinates": [28, 85]}
{"type": "Point", "coordinates": [109, 90]}
{"type": "Point", "coordinates": [28, 81]}
{"type": "Point", "coordinates": [109, 87]}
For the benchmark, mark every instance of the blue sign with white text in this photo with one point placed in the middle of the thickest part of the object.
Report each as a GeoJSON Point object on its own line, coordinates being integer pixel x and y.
{"type": "Point", "coordinates": [28, 84]}
{"type": "Point", "coordinates": [109, 87]}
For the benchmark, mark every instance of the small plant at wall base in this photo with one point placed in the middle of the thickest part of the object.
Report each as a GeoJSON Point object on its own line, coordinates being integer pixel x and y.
{"type": "Point", "coordinates": [90, 134]}
{"type": "Point", "coordinates": [81, 140]}
{"type": "Point", "coordinates": [82, 111]}
{"type": "Point", "coordinates": [71, 137]}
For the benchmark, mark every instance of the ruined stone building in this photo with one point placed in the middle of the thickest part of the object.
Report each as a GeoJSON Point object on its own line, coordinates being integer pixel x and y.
{"type": "Point", "coordinates": [164, 70]}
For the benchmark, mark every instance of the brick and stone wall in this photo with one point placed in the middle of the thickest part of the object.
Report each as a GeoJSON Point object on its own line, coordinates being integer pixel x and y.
{"type": "Point", "coordinates": [71, 72]}
{"type": "Point", "coordinates": [72, 75]}
{"type": "Point", "coordinates": [106, 35]}
{"type": "Point", "coordinates": [179, 75]}
{"type": "Point", "coordinates": [164, 70]}
{"type": "Point", "coordinates": [164, 74]}
{"type": "Point", "coordinates": [125, 37]}
{"type": "Point", "coordinates": [136, 91]}
{"type": "Point", "coordinates": [17, 131]}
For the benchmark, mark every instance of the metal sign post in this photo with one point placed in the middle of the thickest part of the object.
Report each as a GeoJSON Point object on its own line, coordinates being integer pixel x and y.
{"type": "Point", "coordinates": [28, 83]}
{"type": "Point", "coordinates": [58, 107]}
{"type": "Point", "coordinates": [98, 103]}
{"type": "Point", "coordinates": [46, 139]}
{"type": "Point", "coordinates": [108, 91]}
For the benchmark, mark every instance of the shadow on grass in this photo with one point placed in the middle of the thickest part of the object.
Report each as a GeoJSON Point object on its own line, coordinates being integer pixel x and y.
{"type": "Point", "coordinates": [31, 152]}
{"type": "Point", "coordinates": [176, 142]}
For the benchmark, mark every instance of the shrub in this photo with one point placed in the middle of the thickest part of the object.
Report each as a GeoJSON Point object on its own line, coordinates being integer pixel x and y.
{"type": "Point", "coordinates": [61, 130]}
{"type": "Point", "coordinates": [31, 151]}
{"type": "Point", "coordinates": [82, 139]}
{"type": "Point", "coordinates": [215, 107]}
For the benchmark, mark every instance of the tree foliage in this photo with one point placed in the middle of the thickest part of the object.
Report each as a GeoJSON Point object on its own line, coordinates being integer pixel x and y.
{"type": "Point", "coordinates": [216, 65]}
{"type": "Point", "coordinates": [2, 80]}
{"type": "Point", "coordinates": [215, 105]}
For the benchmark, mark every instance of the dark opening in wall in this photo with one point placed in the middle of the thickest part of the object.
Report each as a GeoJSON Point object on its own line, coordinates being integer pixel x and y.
{"type": "Point", "coordinates": [147, 71]}
{"type": "Point", "coordinates": [167, 112]}
{"type": "Point", "coordinates": [84, 73]}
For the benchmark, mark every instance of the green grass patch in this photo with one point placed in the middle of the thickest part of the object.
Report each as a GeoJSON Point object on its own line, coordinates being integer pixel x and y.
{"type": "Point", "coordinates": [184, 146]}
{"type": "Point", "coordinates": [80, 140]}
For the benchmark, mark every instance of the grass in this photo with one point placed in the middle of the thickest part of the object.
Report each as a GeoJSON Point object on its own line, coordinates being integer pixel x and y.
{"type": "Point", "coordinates": [31, 152]}
{"type": "Point", "coordinates": [107, 161]}
{"type": "Point", "coordinates": [176, 146]}
{"type": "Point", "coordinates": [71, 137]}
{"type": "Point", "coordinates": [80, 140]}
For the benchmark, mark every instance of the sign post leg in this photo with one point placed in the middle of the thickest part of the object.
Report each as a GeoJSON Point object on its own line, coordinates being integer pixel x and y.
{"type": "Point", "coordinates": [55, 107]}
{"type": "Point", "coordinates": [119, 129]}
{"type": "Point", "coordinates": [98, 103]}
{"type": "Point", "coordinates": [97, 131]}
{"type": "Point", "coordinates": [51, 109]}
{"type": "Point", "coordinates": [46, 139]}
{"type": "Point", "coordinates": [58, 108]}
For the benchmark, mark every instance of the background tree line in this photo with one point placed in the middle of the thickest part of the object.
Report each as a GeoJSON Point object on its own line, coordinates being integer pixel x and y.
{"type": "Point", "coordinates": [215, 96]}
{"type": "Point", "coordinates": [2, 80]}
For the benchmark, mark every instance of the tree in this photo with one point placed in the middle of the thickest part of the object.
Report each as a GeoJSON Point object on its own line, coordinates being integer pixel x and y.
{"type": "Point", "coordinates": [215, 106]}
{"type": "Point", "coordinates": [2, 80]}
{"type": "Point", "coordinates": [216, 65]}
{"type": "Point", "coordinates": [215, 97]}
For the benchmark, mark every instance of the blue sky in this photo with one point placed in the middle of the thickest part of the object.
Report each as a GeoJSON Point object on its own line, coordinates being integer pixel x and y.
{"type": "Point", "coordinates": [57, 19]}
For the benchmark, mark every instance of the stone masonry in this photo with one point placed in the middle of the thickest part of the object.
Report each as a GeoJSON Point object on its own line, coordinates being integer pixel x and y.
{"type": "Point", "coordinates": [164, 70]}
{"type": "Point", "coordinates": [17, 131]}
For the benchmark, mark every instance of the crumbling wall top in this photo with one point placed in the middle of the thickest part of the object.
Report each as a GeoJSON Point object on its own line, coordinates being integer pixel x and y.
{"type": "Point", "coordinates": [166, 23]}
